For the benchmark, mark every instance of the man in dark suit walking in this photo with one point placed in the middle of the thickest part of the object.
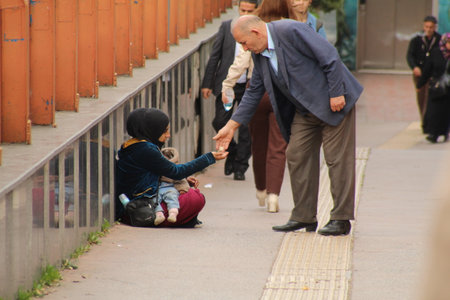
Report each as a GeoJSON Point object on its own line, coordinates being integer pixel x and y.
{"type": "Point", "coordinates": [222, 56]}
{"type": "Point", "coordinates": [419, 50]}
{"type": "Point", "coordinates": [313, 96]}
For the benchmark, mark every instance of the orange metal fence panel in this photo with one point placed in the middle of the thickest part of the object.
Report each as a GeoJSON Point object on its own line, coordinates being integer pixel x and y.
{"type": "Point", "coordinates": [162, 36]}
{"type": "Point", "coordinates": [174, 21]}
{"type": "Point", "coordinates": [229, 3]}
{"type": "Point", "coordinates": [207, 12]}
{"type": "Point", "coordinates": [42, 62]}
{"type": "Point", "coordinates": [192, 26]}
{"type": "Point", "coordinates": [215, 8]}
{"type": "Point", "coordinates": [199, 13]}
{"type": "Point", "coordinates": [137, 37]}
{"type": "Point", "coordinates": [149, 32]}
{"type": "Point", "coordinates": [105, 54]}
{"type": "Point", "coordinates": [87, 48]}
{"type": "Point", "coordinates": [222, 6]}
{"type": "Point", "coordinates": [1, 82]}
{"type": "Point", "coordinates": [16, 126]}
{"type": "Point", "coordinates": [183, 31]}
{"type": "Point", "coordinates": [66, 52]}
{"type": "Point", "coordinates": [123, 37]}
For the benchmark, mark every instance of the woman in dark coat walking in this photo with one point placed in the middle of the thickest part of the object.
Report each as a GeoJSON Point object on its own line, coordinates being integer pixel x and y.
{"type": "Point", "coordinates": [437, 116]}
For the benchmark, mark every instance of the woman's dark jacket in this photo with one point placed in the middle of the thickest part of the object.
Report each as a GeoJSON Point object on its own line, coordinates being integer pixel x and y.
{"type": "Point", "coordinates": [141, 164]}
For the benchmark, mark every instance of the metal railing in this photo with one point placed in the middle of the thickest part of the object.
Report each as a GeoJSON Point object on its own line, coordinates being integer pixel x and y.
{"type": "Point", "coordinates": [47, 213]}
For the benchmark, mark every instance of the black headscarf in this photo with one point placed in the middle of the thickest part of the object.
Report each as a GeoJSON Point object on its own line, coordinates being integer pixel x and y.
{"type": "Point", "coordinates": [147, 124]}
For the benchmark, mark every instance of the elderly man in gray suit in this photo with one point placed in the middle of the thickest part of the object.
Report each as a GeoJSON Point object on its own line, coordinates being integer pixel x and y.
{"type": "Point", "coordinates": [313, 96]}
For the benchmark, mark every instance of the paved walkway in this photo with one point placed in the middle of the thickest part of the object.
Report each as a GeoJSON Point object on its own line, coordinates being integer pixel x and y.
{"type": "Point", "coordinates": [236, 255]}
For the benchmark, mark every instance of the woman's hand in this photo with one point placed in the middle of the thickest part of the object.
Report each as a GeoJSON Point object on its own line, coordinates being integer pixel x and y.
{"type": "Point", "coordinates": [220, 155]}
{"type": "Point", "coordinates": [193, 182]}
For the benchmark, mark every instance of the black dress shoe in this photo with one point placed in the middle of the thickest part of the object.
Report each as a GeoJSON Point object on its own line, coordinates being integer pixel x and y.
{"type": "Point", "coordinates": [238, 175]}
{"type": "Point", "coordinates": [294, 225]}
{"type": "Point", "coordinates": [228, 170]}
{"type": "Point", "coordinates": [336, 227]}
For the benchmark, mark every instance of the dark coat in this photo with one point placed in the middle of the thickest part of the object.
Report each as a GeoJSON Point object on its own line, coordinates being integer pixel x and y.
{"type": "Point", "coordinates": [222, 56]}
{"type": "Point", "coordinates": [437, 115]}
{"type": "Point", "coordinates": [419, 47]}
{"type": "Point", "coordinates": [312, 70]}
{"type": "Point", "coordinates": [434, 67]}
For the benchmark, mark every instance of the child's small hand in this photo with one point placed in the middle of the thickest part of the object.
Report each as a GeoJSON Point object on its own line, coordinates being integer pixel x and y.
{"type": "Point", "coordinates": [193, 182]}
{"type": "Point", "coordinates": [220, 155]}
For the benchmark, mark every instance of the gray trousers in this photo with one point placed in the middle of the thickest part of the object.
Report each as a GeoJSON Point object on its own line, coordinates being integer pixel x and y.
{"type": "Point", "coordinates": [308, 133]}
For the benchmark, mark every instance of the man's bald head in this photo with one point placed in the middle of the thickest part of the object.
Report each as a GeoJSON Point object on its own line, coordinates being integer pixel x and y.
{"type": "Point", "coordinates": [245, 23]}
{"type": "Point", "coordinates": [250, 31]}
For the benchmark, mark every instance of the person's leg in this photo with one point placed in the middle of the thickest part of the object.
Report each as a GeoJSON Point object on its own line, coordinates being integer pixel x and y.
{"type": "Point", "coordinates": [275, 163]}
{"type": "Point", "coordinates": [259, 128]}
{"type": "Point", "coordinates": [339, 151]}
{"type": "Point", "coordinates": [243, 153]}
{"type": "Point", "coordinates": [220, 119]}
{"type": "Point", "coordinates": [421, 98]}
{"type": "Point", "coordinates": [159, 209]}
{"type": "Point", "coordinates": [243, 146]}
{"type": "Point", "coordinates": [191, 203]}
{"type": "Point", "coordinates": [276, 157]}
{"type": "Point", "coordinates": [303, 157]}
{"type": "Point", "coordinates": [171, 199]}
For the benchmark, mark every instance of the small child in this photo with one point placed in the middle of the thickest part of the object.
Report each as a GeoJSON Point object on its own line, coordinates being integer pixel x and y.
{"type": "Point", "coordinates": [169, 191]}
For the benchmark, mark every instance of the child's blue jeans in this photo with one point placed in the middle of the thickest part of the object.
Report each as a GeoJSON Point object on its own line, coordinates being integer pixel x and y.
{"type": "Point", "coordinates": [169, 194]}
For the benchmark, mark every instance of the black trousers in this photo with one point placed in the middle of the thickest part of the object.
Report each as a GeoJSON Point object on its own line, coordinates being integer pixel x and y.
{"type": "Point", "coordinates": [240, 151]}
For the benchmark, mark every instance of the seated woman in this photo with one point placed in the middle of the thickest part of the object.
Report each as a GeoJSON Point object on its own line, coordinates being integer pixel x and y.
{"type": "Point", "coordinates": [141, 164]}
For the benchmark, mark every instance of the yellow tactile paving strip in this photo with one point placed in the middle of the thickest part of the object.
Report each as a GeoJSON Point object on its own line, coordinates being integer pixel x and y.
{"type": "Point", "coordinates": [407, 138]}
{"type": "Point", "coordinates": [312, 266]}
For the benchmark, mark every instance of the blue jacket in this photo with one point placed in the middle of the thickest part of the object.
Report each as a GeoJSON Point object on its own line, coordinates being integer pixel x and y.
{"type": "Point", "coordinates": [312, 22]}
{"type": "Point", "coordinates": [141, 164]}
{"type": "Point", "coordinates": [312, 70]}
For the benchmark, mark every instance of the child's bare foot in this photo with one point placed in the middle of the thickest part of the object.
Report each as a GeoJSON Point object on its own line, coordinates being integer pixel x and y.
{"type": "Point", "coordinates": [173, 213]}
{"type": "Point", "coordinates": [159, 218]}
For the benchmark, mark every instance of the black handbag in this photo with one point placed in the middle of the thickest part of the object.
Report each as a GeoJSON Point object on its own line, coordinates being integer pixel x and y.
{"type": "Point", "coordinates": [141, 211]}
{"type": "Point", "coordinates": [439, 87]}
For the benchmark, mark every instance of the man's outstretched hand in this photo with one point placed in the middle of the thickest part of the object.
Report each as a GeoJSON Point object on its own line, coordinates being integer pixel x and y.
{"type": "Point", "coordinates": [225, 135]}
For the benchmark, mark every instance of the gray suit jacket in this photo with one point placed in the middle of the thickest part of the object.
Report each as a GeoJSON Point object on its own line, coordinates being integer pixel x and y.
{"type": "Point", "coordinates": [222, 56]}
{"type": "Point", "coordinates": [312, 71]}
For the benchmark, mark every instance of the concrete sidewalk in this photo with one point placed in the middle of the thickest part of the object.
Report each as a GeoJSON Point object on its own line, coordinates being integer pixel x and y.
{"type": "Point", "coordinates": [232, 255]}
{"type": "Point", "coordinates": [236, 255]}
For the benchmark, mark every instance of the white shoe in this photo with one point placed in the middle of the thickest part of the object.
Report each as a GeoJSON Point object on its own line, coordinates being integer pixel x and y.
{"type": "Point", "coordinates": [173, 213]}
{"type": "Point", "coordinates": [272, 203]}
{"type": "Point", "coordinates": [159, 218]}
{"type": "Point", "coordinates": [261, 196]}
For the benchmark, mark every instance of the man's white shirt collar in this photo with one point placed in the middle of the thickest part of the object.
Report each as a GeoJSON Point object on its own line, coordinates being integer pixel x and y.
{"type": "Point", "coordinates": [270, 44]}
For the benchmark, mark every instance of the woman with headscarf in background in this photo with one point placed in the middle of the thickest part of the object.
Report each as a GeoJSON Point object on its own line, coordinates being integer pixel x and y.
{"type": "Point", "coordinates": [437, 116]}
